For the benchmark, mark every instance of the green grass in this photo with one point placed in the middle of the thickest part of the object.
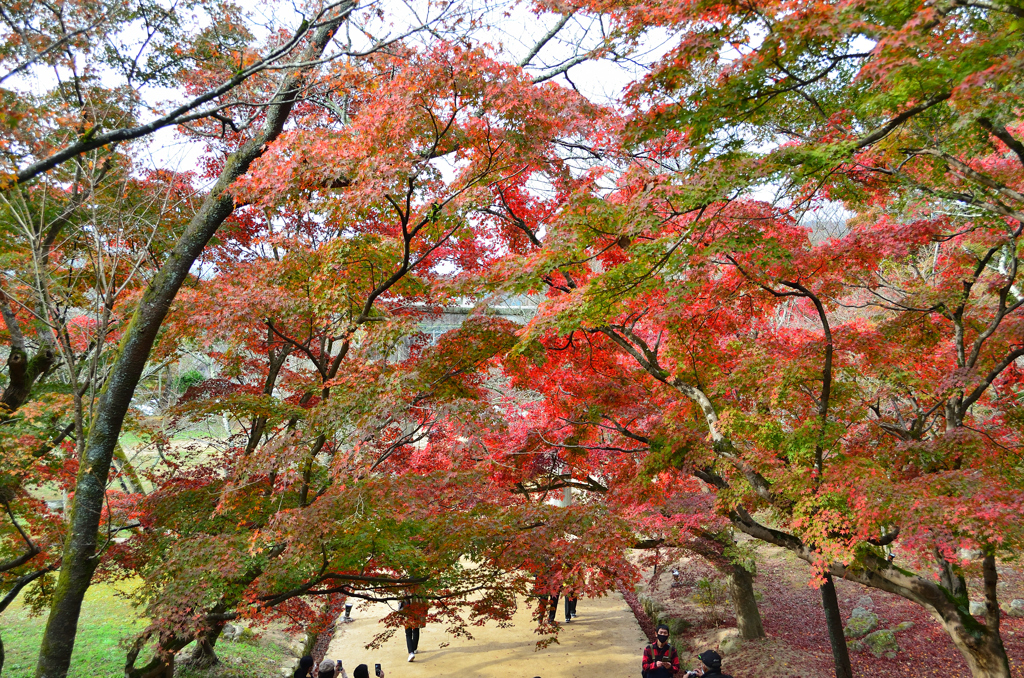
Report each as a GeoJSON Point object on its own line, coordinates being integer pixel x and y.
{"type": "Point", "coordinates": [107, 619]}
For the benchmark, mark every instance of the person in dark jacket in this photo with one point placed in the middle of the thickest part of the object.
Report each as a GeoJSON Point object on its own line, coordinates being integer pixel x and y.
{"type": "Point", "coordinates": [363, 671]}
{"type": "Point", "coordinates": [415, 611]}
{"type": "Point", "coordinates": [305, 668]}
{"type": "Point", "coordinates": [711, 665]}
{"type": "Point", "coordinates": [660, 659]}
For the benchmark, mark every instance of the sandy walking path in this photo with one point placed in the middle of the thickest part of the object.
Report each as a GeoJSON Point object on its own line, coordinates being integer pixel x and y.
{"type": "Point", "coordinates": [604, 641]}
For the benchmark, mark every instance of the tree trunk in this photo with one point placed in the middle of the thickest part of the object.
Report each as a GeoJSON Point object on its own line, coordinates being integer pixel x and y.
{"type": "Point", "coordinates": [22, 374]}
{"type": "Point", "coordinates": [80, 556]}
{"type": "Point", "coordinates": [203, 655]}
{"type": "Point", "coordinates": [741, 589]}
{"type": "Point", "coordinates": [979, 643]}
{"type": "Point", "coordinates": [162, 663]}
{"type": "Point", "coordinates": [985, 655]}
{"type": "Point", "coordinates": [127, 471]}
{"type": "Point", "coordinates": [834, 623]}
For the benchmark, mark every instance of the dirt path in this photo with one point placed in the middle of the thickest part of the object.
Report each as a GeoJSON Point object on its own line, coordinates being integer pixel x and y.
{"type": "Point", "coordinates": [604, 641]}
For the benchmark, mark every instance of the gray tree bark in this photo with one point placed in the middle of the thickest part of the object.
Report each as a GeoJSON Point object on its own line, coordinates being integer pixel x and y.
{"type": "Point", "coordinates": [80, 554]}
{"type": "Point", "coordinates": [741, 589]}
{"type": "Point", "coordinates": [979, 642]}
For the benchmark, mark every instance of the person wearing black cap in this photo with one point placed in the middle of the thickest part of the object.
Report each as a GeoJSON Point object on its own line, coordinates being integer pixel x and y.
{"type": "Point", "coordinates": [660, 658]}
{"type": "Point", "coordinates": [711, 663]}
{"type": "Point", "coordinates": [363, 671]}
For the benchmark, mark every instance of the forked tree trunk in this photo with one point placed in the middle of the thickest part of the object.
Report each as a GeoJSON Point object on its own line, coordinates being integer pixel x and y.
{"type": "Point", "coordinates": [162, 663]}
{"type": "Point", "coordinates": [834, 623]}
{"type": "Point", "coordinates": [203, 654]}
{"type": "Point", "coordinates": [80, 557]}
{"type": "Point", "coordinates": [979, 643]}
{"type": "Point", "coordinates": [741, 589]}
{"type": "Point", "coordinates": [985, 655]}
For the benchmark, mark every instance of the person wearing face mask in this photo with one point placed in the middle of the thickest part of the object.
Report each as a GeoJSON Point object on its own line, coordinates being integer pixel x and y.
{"type": "Point", "coordinates": [660, 658]}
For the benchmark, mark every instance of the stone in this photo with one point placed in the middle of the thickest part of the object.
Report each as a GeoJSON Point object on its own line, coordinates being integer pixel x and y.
{"type": "Point", "coordinates": [977, 608]}
{"type": "Point", "coordinates": [904, 626]}
{"type": "Point", "coordinates": [861, 623]}
{"type": "Point", "coordinates": [730, 646]}
{"type": "Point", "coordinates": [855, 646]}
{"type": "Point", "coordinates": [234, 632]}
{"type": "Point", "coordinates": [866, 603]}
{"type": "Point", "coordinates": [882, 643]}
{"type": "Point", "coordinates": [1016, 608]}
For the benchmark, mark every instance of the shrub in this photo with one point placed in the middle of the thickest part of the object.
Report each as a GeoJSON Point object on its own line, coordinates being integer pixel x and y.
{"type": "Point", "coordinates": [190, 378]}
{"type": "Point", "coordinates": [652, 608]}
{"type": "Point", "coordinates": [711, 596]}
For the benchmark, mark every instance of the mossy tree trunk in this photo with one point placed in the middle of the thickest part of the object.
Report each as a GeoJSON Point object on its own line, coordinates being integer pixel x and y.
{"type": "Point", "coordinates": [81, 548]}
{"type": "Point", "coordinates": [741, 590]}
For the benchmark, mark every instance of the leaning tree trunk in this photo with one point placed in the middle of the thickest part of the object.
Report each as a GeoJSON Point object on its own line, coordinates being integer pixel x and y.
{"type": "Point", "coordinates": [741, 589]}
{"type": "Point", "coordinates": [984, 652]}
{"type": "Point", "coordinates": [834, 623]}
{"type": "Point", "coordinates": [80, 556]}
{"type": "Point", "coordinates": [979, 643]}
{"type": "Point", "coordinates": [203, 654]}
{"type": "Point", "coordinates": [162, 664]}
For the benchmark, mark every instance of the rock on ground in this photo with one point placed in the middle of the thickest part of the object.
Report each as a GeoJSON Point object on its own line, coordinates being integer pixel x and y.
{"type": "Point", "coordinates": [882, 643]}
{"type": "Point", "coordinates": [730, 645]}
{"type": "Point", "coordinates": [861, 623]}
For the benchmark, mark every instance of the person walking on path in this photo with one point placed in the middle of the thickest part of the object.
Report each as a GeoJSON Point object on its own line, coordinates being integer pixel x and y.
{"type": "Point", "coordinates": [415, 611]}
{"type": "Point", "coordinates": [548, 602]}
{"type": "Point", "coordinates": [570, 605]}
{"type": "Point", "coordinates": [660, 658]}
{"type": "Point", "coordinates": [711, 666]}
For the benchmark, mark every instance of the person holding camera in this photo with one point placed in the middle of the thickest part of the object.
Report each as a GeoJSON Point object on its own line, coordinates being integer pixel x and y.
{"type": "Point", "coordinates": [711, 666]}
{"type": "Point", "coordinates": [660, 659]}
{"type": "Point", "coordinates": [363, 671]}
{"type": "Point", "coordinates": [330, 668]}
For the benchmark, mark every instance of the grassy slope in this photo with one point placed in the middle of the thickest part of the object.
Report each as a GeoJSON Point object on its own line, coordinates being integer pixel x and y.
{"type": "Point", "coordinates": [107, 619]}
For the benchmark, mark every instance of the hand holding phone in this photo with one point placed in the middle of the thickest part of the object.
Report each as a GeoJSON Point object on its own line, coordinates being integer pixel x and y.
{"type": "Point", "coordinates": [377, 671]}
